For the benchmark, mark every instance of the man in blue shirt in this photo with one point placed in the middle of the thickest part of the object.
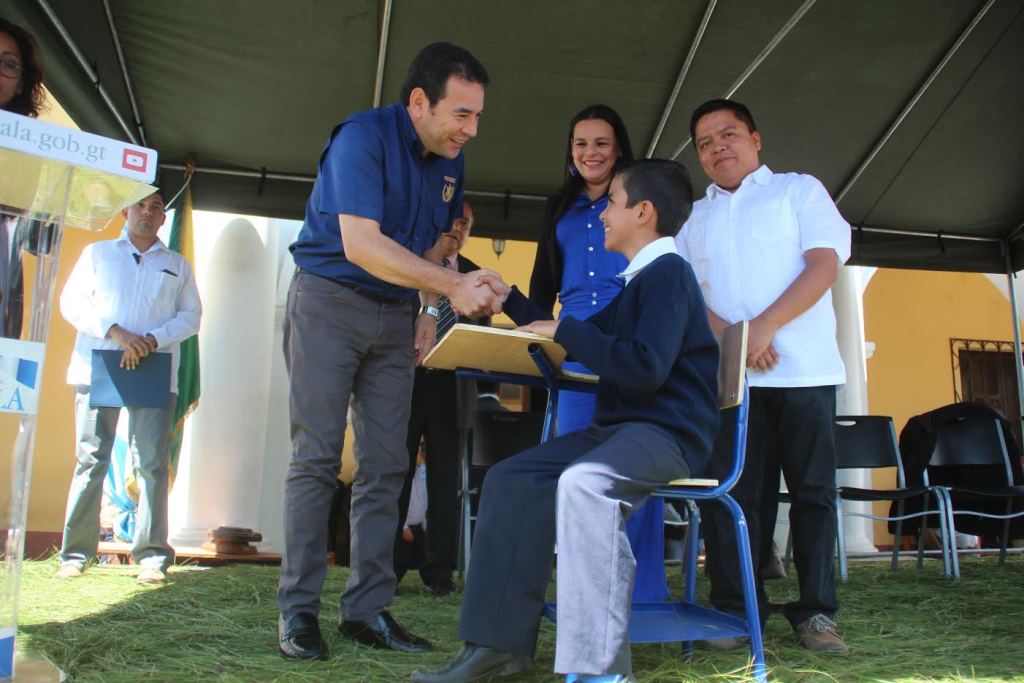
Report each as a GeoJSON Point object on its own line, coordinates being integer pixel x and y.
{"type": "Point", "coordinates": [389, 182]}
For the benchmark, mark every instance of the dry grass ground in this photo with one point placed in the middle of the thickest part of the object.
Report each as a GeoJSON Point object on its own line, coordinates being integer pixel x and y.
{"type": "Point", "coordinates": [219, 625]}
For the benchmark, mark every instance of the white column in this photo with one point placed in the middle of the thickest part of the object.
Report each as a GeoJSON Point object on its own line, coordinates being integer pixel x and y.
{"type": "Point", "coordinates": [852, 398]}
{"type": "Point", "coordinates": [219, 481]}
{"type": "Point", "coordinates": [277, 441]}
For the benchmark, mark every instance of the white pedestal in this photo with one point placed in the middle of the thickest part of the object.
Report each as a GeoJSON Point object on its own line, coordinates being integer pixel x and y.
{"type": "Point", "coordinates": [852, 398]}
{"type": "Point", "coordinates": [219, 480]}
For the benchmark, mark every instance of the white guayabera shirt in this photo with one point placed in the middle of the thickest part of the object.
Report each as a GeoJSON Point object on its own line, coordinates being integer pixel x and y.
{"type": "Point", "coordinates": [746, 247]}
{"type": "Point", "coordinates": [145, 293]}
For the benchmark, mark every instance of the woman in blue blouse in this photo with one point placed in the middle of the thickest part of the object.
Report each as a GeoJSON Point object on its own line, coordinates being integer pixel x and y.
{"type": "Point", "coordinates": [573, 265]}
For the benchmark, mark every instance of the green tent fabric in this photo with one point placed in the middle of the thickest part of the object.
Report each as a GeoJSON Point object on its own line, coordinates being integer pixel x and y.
{"type": "Point", "coordinates": [255, 87]}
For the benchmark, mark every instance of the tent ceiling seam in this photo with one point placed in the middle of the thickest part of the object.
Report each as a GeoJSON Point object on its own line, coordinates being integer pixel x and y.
{"type": "Point", "coordinates": [86, 67]}
{"type": "Point", "coordinates": [690, 54]}
{"type": "Point", "coordinates": [382, 53]}
{"type": "Point", "coordinates": [763, 55]}
{"type": "Point", "coordinates": [1017, 234]}
{"type": "Point", "coordinates": [913, 152]}
{"type": "Point", "coordinates": [124, 73]}
{"type": "Point", "coordinates": [932, 76]}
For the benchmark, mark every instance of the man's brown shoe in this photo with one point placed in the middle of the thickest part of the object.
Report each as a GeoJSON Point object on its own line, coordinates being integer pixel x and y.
{"type": "Point", "coordinates": [69, 570]}
{"type": "Point", "coordinates": [818, 634]}
{"type": "Point", "coordinates": [151, 575]}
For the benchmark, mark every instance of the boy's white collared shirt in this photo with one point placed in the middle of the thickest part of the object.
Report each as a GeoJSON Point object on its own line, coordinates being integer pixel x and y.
{"type": "Point", "coordinates": [644, 257]}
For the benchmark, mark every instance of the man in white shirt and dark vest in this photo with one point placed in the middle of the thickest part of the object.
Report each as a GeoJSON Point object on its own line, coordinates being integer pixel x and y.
{"type": "Point", "coordinates": [766, 247]}
{"type": "Point", "coordinates": [136, 295]}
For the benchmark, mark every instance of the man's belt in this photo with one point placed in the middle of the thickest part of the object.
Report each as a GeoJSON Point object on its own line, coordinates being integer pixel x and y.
{"type": "Point", "coordinates": [361, 291]}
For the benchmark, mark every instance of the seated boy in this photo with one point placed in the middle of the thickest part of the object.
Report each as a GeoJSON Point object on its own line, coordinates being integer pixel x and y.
{"type": "Point", "coordinates": [655, 421]}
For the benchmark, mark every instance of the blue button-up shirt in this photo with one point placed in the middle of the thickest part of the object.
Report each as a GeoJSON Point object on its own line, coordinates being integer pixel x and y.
{"type": "Point", "coordinates": [373, 166]}
{"type": "Point", "coordinates": [590, 276]}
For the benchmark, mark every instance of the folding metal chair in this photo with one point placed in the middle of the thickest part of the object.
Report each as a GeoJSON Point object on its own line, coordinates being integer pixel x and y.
{"type": "Point", "coordinates": [869, 441]}
{"type": "Point", "coordinates": [971, 467]}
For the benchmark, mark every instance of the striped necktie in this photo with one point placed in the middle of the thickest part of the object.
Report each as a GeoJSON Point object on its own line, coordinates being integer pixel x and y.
{"type": "Point", "coordinates": [445, 316]}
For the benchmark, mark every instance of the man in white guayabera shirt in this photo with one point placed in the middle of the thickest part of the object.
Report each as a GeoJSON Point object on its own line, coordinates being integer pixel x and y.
{"type": "Point", "coordinates": [766, 247]}
{"type": "Point", "coordinates": [136, 295]}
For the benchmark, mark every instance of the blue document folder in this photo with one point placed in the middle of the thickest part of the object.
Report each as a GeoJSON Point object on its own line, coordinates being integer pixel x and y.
{"type": "Point", "coordinates": [147, 386]}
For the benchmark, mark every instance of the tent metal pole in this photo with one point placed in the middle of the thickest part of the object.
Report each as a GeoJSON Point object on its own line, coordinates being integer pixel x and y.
{"type": "Point", "coordinates": [913, 101]}
{"type": "Point", "coordinates": [670, 105]}
{"type": "Point", "coordinates": [382, 53]}
{"type": "Point", "coordinates": [1018, 359]}
{"type": "Point", "coordinates": [768, 49]}
{"type": "Point", "coordinates": [124, 73]}
{"type": "Point", "coordinates": [87, 68]}
{"type": "Point", "coordinates": [298, 178]}
{"type": "Point", "coordinates": [927, 234]}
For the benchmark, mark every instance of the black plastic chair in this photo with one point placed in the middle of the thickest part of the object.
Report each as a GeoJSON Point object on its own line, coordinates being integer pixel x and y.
{"type": "Point", "coordinates": [869, 441]}
{"type": "Point", "coordinates": [495, 435]}
{"type": "Point", "coordinates": [972, 468]}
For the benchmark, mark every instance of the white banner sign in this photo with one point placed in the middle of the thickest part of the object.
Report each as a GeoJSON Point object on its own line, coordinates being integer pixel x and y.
{"type": "Point", "coordinates": [21, 374]}
{"type": "Point", "coordinates": [74, 147]}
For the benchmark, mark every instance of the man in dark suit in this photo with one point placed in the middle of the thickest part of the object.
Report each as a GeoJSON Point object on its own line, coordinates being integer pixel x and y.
{"type": "Point", "coordinates": [433, 419]}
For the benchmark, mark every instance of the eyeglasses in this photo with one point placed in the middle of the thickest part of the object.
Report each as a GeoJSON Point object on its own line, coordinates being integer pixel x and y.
{"type": "Point", "coordinates": [11, 68]}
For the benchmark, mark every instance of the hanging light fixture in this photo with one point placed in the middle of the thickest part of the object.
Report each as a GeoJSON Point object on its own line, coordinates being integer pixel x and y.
{"type": "Point", "coordinates": [498, 244]}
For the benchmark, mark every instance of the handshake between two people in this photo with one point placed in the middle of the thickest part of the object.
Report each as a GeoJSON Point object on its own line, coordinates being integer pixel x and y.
{"type": "Point", "coordinates": [489, 286]}
{"type": "Point", "coordinates": [476, 294]}
{"type": "Point", "coordinates": [479, 293]}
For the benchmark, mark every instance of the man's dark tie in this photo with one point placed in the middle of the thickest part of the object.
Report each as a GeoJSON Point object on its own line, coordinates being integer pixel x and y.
{"type": "Point", "coordinates": [445, 316]}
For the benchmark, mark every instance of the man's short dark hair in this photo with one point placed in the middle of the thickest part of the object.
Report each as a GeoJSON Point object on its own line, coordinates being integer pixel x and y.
{"type": "Point", "coordinates": [666, 185]}
{"type": "Point", "coordinates": [435, 64]}
{"type": "Point", "coordinates": [740, 110]}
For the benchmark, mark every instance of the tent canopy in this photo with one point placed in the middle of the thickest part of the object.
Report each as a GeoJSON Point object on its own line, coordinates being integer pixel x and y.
{"type": "Point", "coordinates": [909, 112]}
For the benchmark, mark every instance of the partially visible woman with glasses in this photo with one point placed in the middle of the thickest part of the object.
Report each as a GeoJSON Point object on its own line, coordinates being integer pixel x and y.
{"type": "Point", "coordinates": [21, 92]}
{"type": "Point", "coordinates": [21, 71]}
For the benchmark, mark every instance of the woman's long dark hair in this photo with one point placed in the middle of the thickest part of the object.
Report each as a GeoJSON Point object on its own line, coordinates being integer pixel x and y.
{"type": "Point", "coordinates": [573, 183]}
{"type": "Point", "coordinates": [29, 102]}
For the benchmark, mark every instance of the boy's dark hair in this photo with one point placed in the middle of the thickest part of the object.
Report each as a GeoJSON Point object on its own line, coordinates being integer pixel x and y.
{"type": "Point", "coordinates": [664, 183]}
{"type": "Point", "coordinates": [29, 102]}
{"type": "Point", "coordinates": [435, 64]}
{"type": "Point", "coordinates": [740, 110]}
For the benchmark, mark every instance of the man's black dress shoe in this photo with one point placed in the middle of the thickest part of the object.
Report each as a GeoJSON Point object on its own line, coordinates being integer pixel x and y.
{"type": "Point", "coordinates": [385, 633]}
{"type": "Point", "coordinates": [299, 637]}
{"type": "Point", "coordinates": [475, 663]}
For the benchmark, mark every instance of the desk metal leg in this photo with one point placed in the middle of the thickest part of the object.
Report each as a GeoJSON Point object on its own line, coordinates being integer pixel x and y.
{"type": "Point", "coordinates": [550, 417]}
{"type": "Point", "coordinates": [464, 495]}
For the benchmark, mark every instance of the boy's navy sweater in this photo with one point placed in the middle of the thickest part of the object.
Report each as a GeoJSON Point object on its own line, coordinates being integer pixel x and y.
{"type": "Point", "coordinates": [654, 352]}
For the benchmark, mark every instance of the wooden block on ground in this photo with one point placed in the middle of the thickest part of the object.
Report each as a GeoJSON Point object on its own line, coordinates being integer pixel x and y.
{"type": "Point", "coordinates": [32, 669]}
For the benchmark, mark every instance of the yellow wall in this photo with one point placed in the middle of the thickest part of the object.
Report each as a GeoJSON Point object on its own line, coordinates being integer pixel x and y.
{"type": "Point", "coordinates": [514, 265]}
{"type": "Point", "coordinates": [911, 316]}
